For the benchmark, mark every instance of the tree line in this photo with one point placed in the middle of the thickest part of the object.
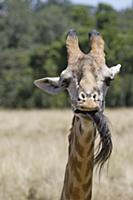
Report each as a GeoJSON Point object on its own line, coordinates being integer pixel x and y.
{"type": "Point", "coordinates": [32, 45]}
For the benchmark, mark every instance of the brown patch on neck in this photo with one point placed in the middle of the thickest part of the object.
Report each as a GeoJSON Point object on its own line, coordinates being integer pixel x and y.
{"type": "Point", "coordinates": [85, 185]}
{"type": "Point", "coordinates": [78, 181]}
{"type": "Point", "coordinates": [75, 193]}
{"type": "Point", "coordinates": [88, 196]}
{"type": "Point", "coordinates": [74, 169]}
{"type": "Point", "coordinates": [79, 148]}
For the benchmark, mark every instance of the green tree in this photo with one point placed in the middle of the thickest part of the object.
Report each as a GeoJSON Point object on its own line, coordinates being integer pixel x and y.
{"type": "Point", "coordinates": [32, 45]}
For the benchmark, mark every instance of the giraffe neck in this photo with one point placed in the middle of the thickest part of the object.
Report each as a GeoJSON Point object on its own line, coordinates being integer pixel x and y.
{"type": "Point", "coordinates": [79, 169]}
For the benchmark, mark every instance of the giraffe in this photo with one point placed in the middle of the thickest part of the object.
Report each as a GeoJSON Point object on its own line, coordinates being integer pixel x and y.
{"type": "Point", "coordinates": [87, 79]}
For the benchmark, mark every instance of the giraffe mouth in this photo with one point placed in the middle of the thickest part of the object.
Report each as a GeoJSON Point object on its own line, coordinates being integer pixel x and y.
{"type": "Point", "coordinates": [86, 113]}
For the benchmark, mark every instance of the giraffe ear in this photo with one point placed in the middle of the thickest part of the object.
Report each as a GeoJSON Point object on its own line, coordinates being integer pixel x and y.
{"type": "Point", "coordinates": [114, 70]}
{"type": "Point", "coordinates": [49, 85]}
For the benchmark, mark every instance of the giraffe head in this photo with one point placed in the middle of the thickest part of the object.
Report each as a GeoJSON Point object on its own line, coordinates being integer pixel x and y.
{"type": "Point", "coordinates": [86, 77]}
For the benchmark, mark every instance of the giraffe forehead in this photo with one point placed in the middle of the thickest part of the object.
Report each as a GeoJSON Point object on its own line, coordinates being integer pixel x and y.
{"type": "Point", "coordinates": [86, 66]}
{"type": "Point", "coordinates": [87, 77]}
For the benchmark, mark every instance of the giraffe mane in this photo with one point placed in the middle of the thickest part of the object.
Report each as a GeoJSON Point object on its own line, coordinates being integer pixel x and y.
{"type": "Point", "coordinates": [105, 145]}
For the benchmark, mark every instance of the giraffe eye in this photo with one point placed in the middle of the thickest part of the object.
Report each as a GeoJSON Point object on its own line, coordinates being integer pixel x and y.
{"type": "Point", "coordinates": [107, 81]}
{"type": "Point", "coordinates": [65, 82]}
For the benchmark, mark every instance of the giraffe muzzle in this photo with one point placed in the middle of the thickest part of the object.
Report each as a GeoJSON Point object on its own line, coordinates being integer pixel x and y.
{"type": "Point", "coordinates": [88, 105]}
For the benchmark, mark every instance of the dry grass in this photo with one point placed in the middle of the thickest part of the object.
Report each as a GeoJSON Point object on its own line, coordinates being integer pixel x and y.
{"type": "Point", "coordinates": [33, 154]}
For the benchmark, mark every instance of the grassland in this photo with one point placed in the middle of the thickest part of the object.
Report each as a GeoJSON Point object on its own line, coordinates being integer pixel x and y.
{"type": "Point", "coordinates": [33, 154]}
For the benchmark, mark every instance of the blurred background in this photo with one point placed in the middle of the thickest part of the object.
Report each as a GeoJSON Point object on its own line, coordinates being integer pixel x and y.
{"type": "Point", "coordinates": [33, 138]}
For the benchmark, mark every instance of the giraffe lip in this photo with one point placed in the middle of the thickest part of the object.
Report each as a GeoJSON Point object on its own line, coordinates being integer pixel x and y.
{"type": "Point", "coordinates": [86, 113]}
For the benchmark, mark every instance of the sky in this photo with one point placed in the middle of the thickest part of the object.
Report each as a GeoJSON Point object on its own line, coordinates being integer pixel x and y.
{"type": "Point", "coordinates": [117, 4]}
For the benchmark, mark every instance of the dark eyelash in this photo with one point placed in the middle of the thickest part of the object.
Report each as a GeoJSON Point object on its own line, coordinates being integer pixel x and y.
{"type": "Point", "coordinates": [107, 81]}
{"type": "Point", "coordinates": [66, 82]}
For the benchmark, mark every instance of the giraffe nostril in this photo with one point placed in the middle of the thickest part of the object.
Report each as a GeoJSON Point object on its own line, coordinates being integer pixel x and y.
{"type": "Point", "coordinates": [94, 96]}
{"type": "Point", "coordinates": [82, 96]}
